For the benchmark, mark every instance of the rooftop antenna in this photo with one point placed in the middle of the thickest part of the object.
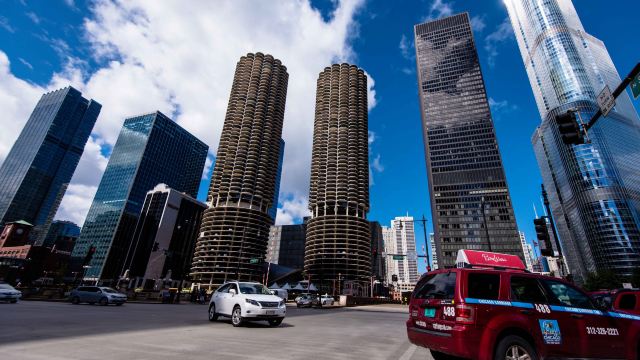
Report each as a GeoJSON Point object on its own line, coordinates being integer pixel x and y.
{"type": "Point", "coordinates": [534, 210]}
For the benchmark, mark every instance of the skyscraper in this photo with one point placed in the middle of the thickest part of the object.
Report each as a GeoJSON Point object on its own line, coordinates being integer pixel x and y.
{"type": "Point", "coordinates": [164, 238]}
{"type": "Point", "coordinates": [434, 252]}
{"type": "Point", "coordinates": [235, 228]}
{"type": "Point", "coordinates": [378, 261]}
{"type": "Point", "coordinates": [286, 245]}
{"type": "Point", "coordinates": [150, 149]}
{"type": "Point", "coordinates": [404, 235]}
{"type": "Point", "coordinates": [338, 235]}
{"type": "Point", "coordinates": [470, 202]}
{"type": "Point", "coordinates": [528, 259]}
{"type": "Point", "coordinates": [37, 170]}
{"type": "Point", "coordinates": [273, 210]}
{"type": "Point", "coordinates": [594, 188]}
{"type": "Point", "coordinates": [389, 239]}
{"type": "Point", "coordinates": [61, 231]}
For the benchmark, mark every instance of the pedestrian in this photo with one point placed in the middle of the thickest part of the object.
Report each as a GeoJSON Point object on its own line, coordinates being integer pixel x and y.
{"type": "Point", "coordinates": [194, 295]}
{"type": "Point", "coordinates": [203, 294]}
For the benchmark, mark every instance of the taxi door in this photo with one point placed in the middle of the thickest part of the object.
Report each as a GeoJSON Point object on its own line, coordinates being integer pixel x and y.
{"type": "Point", "coordinates": [553, 330]}
{"type": "Point", "coordinates": [598, 335]}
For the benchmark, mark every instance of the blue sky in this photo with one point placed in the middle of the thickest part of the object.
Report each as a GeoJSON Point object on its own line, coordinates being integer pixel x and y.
{"type": "Point", "coordinates": [100, 47]}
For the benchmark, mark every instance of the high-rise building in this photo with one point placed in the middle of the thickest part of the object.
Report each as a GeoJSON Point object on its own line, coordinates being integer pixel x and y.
{"type": "Point", "coordinates": [150, 149]}
{"type": "Point", "coordinates": [594, 188]}
{"type": "Point", "coordinates": [61, 232]}
{"type": "Point", "coordinates": [164, 238]}
{"type": "Point", "coordinates": [273, 211]}
{"type": "Point", "coordinates": [470, 203]}
{"type": "Point", "coordinates": [528, 260]}
{"type": "Point", "coordinates": [405, 238]}
{"type": "Point", "coordinates": [434, 253]}
{"type": "Point", "coordinates": [37, 170]}
{"type": "Point", "coordinates": [235, 228]}
{"type": "Point", "coordinates": [286, 245]}
{"type": "Point", "coordinates": [389, 239]}
{"type": "Point", "coordinates": [378, 261]}
{"type": "Point", "coordinates": [338, 235]}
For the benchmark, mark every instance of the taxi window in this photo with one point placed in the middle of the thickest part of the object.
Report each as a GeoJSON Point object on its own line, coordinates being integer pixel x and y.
{"type": "Point", "coordinates": [627, 302]}
{"type": "Point", "coordinates": [527, 289]}
{"type": "Point", "coordinates": [562, 294]}
{"type": "Point", "coordinates": [437, 286]}
{"type": "Point", "coordinates": [484, 286]}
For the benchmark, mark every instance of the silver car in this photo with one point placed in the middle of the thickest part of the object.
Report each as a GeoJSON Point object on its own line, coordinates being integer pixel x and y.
{"type": "Point", "coordinates": [8, 293]}
{"type": "Point", "coordinates": [97, 294]}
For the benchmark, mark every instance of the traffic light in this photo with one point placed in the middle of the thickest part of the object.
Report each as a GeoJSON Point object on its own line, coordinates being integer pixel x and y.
{"type": "Point", "coordinates": [542, 232]}
{"type": "Point", "coordinates": [569, 128]}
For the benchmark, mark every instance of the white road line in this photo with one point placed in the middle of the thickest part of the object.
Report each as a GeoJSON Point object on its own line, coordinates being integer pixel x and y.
{"type": "Point", "coordinates": [409, 353]}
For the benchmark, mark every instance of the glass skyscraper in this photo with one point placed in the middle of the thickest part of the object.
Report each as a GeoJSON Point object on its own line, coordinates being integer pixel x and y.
{"type": "Point", "coordinates": [150, 149]}
{"type": "Point", "coordinates": [594, 188]}
{"type": "Point", "coordinates": [37, 170]}
{"type": "Point", "coordinates": [470, 202]}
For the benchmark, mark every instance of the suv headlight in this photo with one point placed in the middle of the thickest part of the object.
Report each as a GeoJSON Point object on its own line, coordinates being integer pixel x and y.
{"type": "Point", "coordinates": [281, 304]}
{"type": "Point", "coordinates": [252, 302]}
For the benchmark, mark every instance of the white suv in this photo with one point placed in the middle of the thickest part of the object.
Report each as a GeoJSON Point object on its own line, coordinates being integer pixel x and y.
{"type": "Point", "coordinates": [246, 301]}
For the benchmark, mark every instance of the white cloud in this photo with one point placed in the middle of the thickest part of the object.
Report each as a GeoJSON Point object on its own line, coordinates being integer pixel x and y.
{"type": "Point", "coordinates": [377, 164]}
{"type": "Point", "coordinates": [4, 23]}
{"type": "Point", "coordinates": [500, 107]}
{"type": "Point", "coordinates": [293, 210]}
{"type": "Point", "coordinates": [179, 58]}
{"type": "Point", "coordinates": [406, 48]}
{"type": "Point", "coordinates": [33, 17]}
{"type": "Point", "coordinates": [477, 23]}
{"type": "Point", "coordinates": [438, 9]}
{"type": "Point", "coordinates": [503, 32]}
{"type": "Point", "coordinates": [25, 63]}
{"type": "Point", "coordinates": [74, 206]}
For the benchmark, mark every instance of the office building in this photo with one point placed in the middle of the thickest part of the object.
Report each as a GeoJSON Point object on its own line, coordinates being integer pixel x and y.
{"type": "Point", "coordinates": [593, 188]}
{"type": "Point", "coordinates": [470, 202]}
{"type": "Point", "coordinates": [405, 238]}
{"type": "Point", "coordinates": [164, 238]}
{"type": "Point", "coordinates": [150, 149]}
{"type": "Point", "coordinates": [286, 245]}
{"type": "Point", "coordinates": [61, 232]}
{"type": "Point", "coordinates": [391, 265]}
{"type": "Point", "coordinates": [527, 250]}
{"type": "Point", "coordinates": [378, 261]}
{"type": "Point", "coordinates": [36, 172]}
{"type": "Point", "coordinates": [235, 228]}
{"type": "Point", "coordinates": [338, 235]}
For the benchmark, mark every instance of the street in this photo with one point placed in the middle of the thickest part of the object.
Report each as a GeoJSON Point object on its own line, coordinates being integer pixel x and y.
{"type": "Point", "coordinates": [50, 330]}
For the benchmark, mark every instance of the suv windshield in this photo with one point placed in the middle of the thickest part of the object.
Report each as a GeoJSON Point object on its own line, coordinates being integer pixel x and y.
{"type": "Point", "coordinates": [108, 290]}
{"type": "Point", "coordinates": [437, 286]}
{"type": "Point", "coordinates": [248, 288]}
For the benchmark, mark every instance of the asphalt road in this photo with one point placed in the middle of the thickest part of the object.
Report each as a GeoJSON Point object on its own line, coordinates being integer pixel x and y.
{"type": "Point", "coordinates": [47, 330]}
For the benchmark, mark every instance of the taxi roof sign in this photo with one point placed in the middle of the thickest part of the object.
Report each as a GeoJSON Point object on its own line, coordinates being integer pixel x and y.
{"type": "Point", "coordinates": [467, 258]}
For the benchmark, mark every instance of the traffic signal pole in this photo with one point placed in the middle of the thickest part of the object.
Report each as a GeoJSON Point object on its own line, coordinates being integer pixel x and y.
{"type": "Point", "coordinates": [623, 85]}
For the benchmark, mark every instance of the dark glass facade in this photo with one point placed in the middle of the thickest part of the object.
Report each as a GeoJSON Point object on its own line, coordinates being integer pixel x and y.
{"type": "Point", "coordinates": [61, 231]}
{"type": "Point", "coordinates": [165, 236]}
{"type": "Point", "coordinates": [286, 244]}
{"type": "Point", "coordinates": [378, 261]}
{"type": "Point", "coordinates": [468, 187]}
{"type": "Point", "coordinates": [150, 149]}
{"type": "Point", "coordinates": [37, 170]}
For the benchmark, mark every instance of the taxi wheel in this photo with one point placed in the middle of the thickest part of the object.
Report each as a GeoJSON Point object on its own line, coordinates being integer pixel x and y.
{"type": "Point", "coordinates": [514, 347]}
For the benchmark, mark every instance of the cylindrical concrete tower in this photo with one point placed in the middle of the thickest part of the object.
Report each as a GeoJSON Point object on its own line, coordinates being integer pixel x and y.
{"type": "Point", "coordinates": [338, 245]}
{"type": "Point", "coordinates": [235, 228]}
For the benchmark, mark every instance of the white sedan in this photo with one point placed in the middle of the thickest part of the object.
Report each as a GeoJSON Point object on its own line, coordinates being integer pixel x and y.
{"type": "Point", "coordinates": [327, 299]}
{"type": "Point", "coordinates": [246, 301]}
{"type": "Point", "coordinates": [8, 293]}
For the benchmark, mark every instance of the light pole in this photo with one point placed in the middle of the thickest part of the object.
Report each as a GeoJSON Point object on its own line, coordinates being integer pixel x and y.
{"type": "Point", "coordinates": [424, 230]}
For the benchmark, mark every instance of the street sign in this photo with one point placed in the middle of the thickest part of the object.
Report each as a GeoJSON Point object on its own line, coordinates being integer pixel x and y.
{"type": "Point", "coordinates": [398, 257]}
{"type": "Point", "coordinates": [635, 86]}
{"type": "Point", "coordinates": [606, 101]}
{"type": "Point", "coordinates": [253, 261]}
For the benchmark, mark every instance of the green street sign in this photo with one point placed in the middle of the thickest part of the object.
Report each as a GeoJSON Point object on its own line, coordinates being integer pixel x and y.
{"type": "Point", "coordinates": [398, 257]}
{"type": "Point", "coordinates": [635, 86]}
{"type": "Point", "coordinates": [254, 261]}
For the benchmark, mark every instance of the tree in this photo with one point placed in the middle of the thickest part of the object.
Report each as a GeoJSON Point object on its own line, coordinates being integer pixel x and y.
{"type": "Point", "coordinates": [603, 280]}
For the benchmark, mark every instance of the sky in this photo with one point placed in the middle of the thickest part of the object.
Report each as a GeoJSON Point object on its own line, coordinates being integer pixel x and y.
{"type": "Point", "coordinates": [178, 57]}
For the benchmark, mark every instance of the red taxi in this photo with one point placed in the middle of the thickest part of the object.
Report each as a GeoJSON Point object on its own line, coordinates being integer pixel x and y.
{"type": "Point", "coordinates": [620, 300]}
{"type": "Point", "coordinates": [490, 307]}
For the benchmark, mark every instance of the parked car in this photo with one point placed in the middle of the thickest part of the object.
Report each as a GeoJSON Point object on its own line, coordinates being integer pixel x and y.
{"type": "Point", "coordinates": [327, 299]}
{"type": "Point", "coordinates": [9, 293]}
{"type": "Point", "coordinates": [246, 301]}
{"type": "Point", "coordinates": [491, 308]}
{"type": "Point", "coordinates": [620, 300]}
{"type": "Point", "coordinates": [97, 294]}
{"type": "Point", "coordinates": [281, 293]}
{"type": "Point", "coordinates": [308, 300]}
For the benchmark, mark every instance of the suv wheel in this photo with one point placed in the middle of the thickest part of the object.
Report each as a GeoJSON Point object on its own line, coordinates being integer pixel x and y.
{"type": "Point", "coordinates": [275, 322]}
{"type": "Point", "coordinates": [514, 347]}
{"type": "Point", "coordinates": [75, 300]}
{"type": "Point", "coordinates": [104, 301]}
{"type": "Point", "coordinates": [236, 316]}
{"type": "Point", "coordinates": [212, 312]}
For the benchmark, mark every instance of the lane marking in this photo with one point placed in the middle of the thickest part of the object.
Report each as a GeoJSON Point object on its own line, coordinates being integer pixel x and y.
{"type": "Point", "coordinates": [408, 353]}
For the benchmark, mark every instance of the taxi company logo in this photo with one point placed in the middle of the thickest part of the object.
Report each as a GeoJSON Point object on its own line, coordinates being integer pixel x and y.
{"type": "Point", "coordinates": [494, 258]}
{"type": "Point", "coordinates": [437, 326]}
{"type": "Point", "coordinates": [550, 332]}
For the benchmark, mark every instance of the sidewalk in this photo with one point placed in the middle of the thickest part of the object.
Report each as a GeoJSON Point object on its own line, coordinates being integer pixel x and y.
{"type": "Point", "coordinates": [395, 308]}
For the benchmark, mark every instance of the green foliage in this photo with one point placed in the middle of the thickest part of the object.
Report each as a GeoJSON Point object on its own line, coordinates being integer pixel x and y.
{"type": "Point", "coordinates": [603, 280]}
